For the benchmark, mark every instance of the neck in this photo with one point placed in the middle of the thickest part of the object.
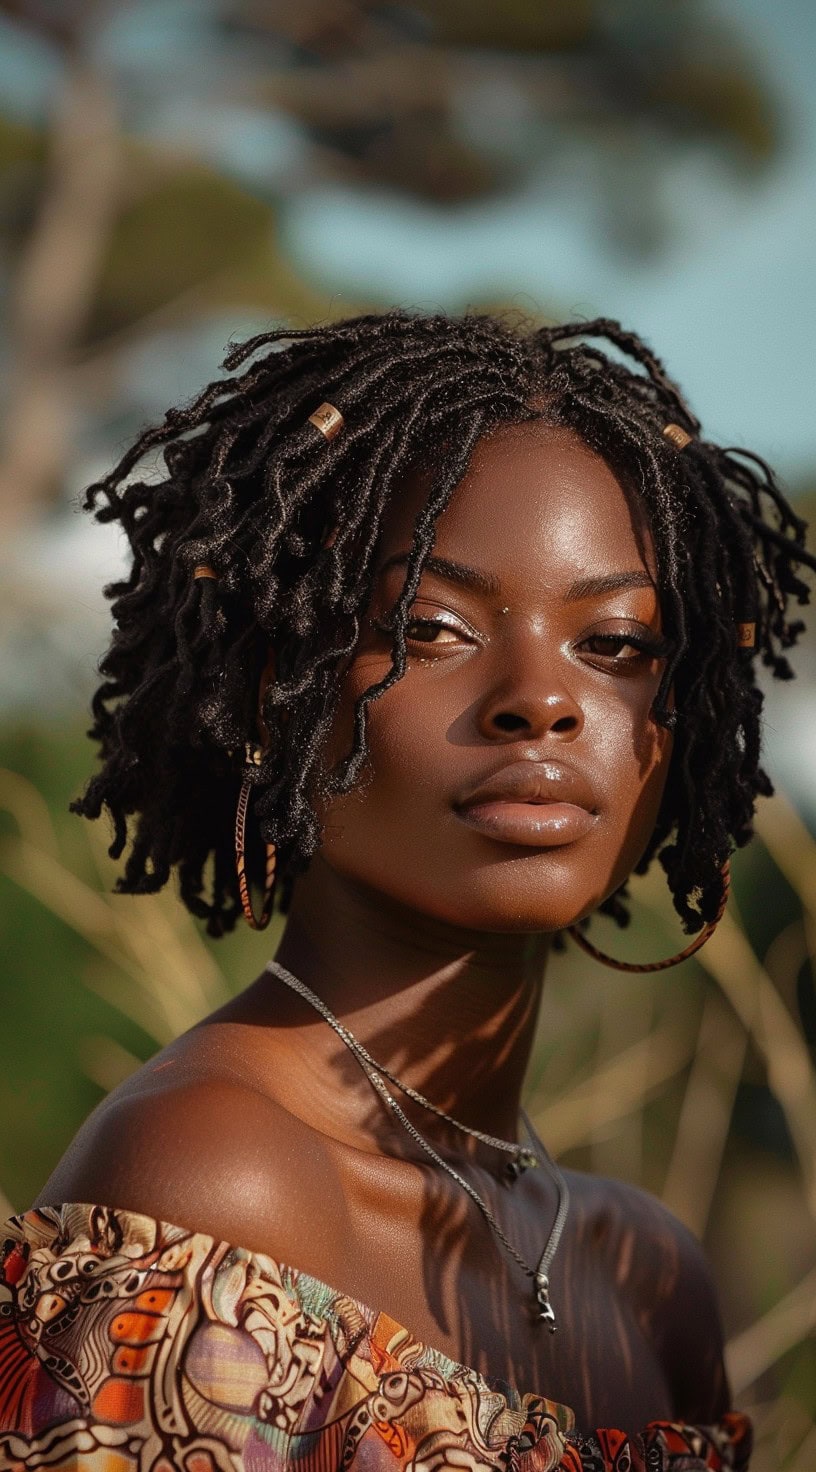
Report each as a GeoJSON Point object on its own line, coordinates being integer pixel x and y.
{"type": "Point", "coordinates": [450, 1012]}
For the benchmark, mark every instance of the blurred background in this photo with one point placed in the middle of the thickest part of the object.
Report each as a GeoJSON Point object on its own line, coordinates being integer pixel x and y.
{"type": "Point", "coordinates": [178, 173]}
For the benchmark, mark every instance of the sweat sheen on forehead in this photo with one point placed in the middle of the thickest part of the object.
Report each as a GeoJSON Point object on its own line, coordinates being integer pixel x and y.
{"type": "Point", "coordinates": [483, 582]}
{"type": "Point", "coordinates": [536, 507]}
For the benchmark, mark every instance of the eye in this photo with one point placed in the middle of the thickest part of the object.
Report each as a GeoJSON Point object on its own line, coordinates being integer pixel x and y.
{"type": "Point", "coordinates": [626, 647]}
{"type": "Point", "coordinates": [430, 631]}
{"type": "Point", "coordinates": [442, 631]}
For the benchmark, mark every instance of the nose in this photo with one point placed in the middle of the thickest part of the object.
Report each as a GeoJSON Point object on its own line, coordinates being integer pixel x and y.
{"type": "Point", "coordinates": [528, 704]}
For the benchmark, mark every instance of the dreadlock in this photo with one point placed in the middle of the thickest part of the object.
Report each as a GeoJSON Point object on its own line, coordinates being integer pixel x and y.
{"type": "Point", "coordinates": [290, 522]}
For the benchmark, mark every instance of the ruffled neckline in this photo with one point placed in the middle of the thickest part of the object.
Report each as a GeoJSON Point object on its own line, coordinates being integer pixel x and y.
{"type": "Point", "coordinates": [125, 1233]}
{"type": "Point", "coordinates": [70, 1219]}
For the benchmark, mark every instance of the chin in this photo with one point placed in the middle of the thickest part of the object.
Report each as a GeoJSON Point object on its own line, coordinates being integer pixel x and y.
{"type": "Point", "coordinates": [513, 909]}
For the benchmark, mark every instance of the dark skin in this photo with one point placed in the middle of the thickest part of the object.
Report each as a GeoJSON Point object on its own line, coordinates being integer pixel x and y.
{"type": "Point", "coordinates": [429, 936]}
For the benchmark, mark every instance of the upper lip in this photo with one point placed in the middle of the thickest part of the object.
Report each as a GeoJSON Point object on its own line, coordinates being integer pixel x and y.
{"type": "Point", "coordinates": [533, 782]}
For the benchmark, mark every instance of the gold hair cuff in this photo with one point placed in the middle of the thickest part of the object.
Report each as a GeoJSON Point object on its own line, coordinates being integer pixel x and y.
{"type": "Point", "coordinates": [204, 571]}
{"type": "Point", "coordinates": [746, 635]}
{"type": "Point", "coordinates": [677, 435]}
{"type": "Point", "coordinates": [328, 420]}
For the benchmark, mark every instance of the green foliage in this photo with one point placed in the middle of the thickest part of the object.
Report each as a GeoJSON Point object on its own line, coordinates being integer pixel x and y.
{"type": "Point", "coordinates": [516, 25]}
{"type": "Point", "coordinates": [635, 1076]}
{"type": "Point", "coordinates": [91, 983]}
{"type": "Point", "coordinates": [192, 226]}
{"type": "Point", "coordinates": [659, 1080]}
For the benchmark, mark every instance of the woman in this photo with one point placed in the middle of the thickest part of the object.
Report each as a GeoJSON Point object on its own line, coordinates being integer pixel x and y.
{"type": "Point", "coordinates": [451, 627]}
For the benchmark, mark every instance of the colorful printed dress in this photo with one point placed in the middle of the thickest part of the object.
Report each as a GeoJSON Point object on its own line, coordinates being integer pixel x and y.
{"type": "Point", "coordinates": [128, 1345]}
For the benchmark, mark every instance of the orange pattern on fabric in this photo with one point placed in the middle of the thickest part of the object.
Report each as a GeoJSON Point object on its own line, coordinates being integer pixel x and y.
{"type": "Point", "coordinates": [131, 1345]}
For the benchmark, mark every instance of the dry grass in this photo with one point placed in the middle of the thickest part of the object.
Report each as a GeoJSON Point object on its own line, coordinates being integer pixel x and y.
{"type": "Point", "coordinates": [641, 1079]}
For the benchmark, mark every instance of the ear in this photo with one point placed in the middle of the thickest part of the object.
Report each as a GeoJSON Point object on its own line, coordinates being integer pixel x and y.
{"type": "Point", "coordinates": [267, 676]}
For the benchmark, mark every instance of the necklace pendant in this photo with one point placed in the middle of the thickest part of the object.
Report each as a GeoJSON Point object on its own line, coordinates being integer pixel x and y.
{"type": "Point", "coordinates": [523, 1160]}
{"type": "Point", "coordinates": [545, 1308]}
{"type": "Point", "coordinates": [522, 1157]}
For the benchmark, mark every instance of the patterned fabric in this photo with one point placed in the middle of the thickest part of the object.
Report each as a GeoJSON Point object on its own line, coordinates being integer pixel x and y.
{"type": "Point", "coordinates": [127, 1344]}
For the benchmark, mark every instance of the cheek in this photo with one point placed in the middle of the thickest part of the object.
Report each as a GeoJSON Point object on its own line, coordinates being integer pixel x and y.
{"type": "Point", "coordinates": [367, 669]}
{"type": "Point", "coordinates": [406, 739]}
{"type": "Point", "coordinates": [385, 832]}
{"type": "Point", "coordinates": [636, 759]}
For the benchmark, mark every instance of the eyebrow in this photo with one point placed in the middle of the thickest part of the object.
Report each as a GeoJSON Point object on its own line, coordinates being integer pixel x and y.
{"type": "Point", "coordinates": [593, 587]}
{"type": "Point", "coordinates": [455, 572]}
{"type": "Point", "coordinates": [482, 582]}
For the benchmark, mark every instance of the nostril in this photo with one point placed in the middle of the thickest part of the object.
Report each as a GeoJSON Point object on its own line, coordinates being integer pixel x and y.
{"type": "Point", "coordinates": [506, 721]}
{"type": "Point", "coordinates": [565, 723]}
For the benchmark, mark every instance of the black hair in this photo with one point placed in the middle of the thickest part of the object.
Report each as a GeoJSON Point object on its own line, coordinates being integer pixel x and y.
{"type": "Point", "coordinates": [290, 520]}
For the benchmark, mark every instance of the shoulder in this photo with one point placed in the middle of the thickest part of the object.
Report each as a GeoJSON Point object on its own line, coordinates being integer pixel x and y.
{"type": "Point", "coordinates": [195, 1149]}
{"type": "Point", "coordinates": [667, 1280]}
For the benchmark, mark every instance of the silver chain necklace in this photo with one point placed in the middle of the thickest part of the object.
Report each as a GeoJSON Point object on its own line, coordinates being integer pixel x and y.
{"type": "Point", "coordinates": [523, 1157]}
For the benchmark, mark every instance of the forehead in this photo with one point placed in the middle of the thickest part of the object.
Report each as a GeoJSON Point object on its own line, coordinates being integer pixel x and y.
{"type": "Point", "coordinates": [537, 507]}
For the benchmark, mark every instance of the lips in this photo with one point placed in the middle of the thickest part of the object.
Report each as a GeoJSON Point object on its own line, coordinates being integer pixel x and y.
{"type": "Point", "coordinates": [536, 804]}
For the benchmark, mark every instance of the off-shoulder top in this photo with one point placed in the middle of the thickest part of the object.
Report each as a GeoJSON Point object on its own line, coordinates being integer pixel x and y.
{"type": "Point", "coordinates": [128, 1344]}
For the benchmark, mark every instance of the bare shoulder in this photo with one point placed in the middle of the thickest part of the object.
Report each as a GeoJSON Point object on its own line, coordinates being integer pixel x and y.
{"type": "Point", "coordinates": [183, 1142]}
{"type": "Point", "coordinates": [667, 1280]}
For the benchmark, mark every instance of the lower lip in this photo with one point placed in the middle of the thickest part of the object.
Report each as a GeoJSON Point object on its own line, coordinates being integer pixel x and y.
{"type": "Point", "coordinates": [537, 825]}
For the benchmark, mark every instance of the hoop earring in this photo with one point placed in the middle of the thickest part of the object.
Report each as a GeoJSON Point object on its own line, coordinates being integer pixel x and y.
{"type": "Point", "coordinates": [699, 940]}
{"type": "Point", "coordinates": [254, 756]}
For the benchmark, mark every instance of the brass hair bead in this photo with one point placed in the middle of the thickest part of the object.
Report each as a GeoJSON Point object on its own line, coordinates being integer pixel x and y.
{"type": "Point", "coordinates": [677, 435]}
{"type": "Point", "coordinates": [746, 635]}
{"type": "Point", "coordinates": [203, 571]}
{"type": "Point", "coordinates": [328, 420]}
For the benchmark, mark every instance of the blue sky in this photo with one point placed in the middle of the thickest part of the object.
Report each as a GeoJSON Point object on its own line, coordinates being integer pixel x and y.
{"type": "Point", "coordinates": [730, 306]}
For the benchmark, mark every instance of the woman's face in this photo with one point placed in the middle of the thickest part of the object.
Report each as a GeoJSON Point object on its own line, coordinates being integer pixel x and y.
{"type": "Point", "coordinates": [515, 770]}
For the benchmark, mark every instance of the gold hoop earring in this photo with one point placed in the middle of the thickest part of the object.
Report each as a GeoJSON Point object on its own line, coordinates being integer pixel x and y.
{"type": "Point", "coordinates": [699, 940]}
{"type": "Point", "coordinates": [254, 756]}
